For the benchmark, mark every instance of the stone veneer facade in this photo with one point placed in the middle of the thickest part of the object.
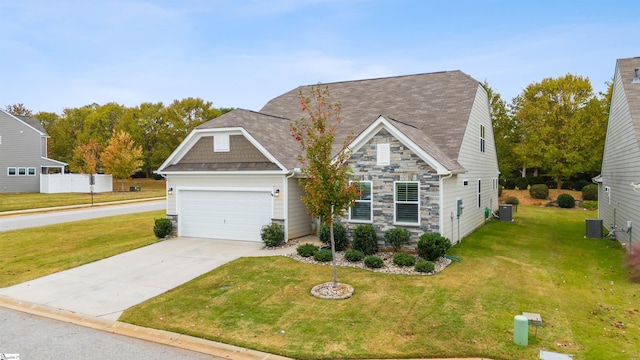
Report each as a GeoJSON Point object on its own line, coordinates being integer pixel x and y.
{"type": "Point", "coordinates": [405, 165]}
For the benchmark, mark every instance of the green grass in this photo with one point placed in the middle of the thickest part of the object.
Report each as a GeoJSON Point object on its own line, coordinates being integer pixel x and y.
{"type": "Point", "coordinates": [539, 263]}
{"type": "Point", "coordinates": [31, 253]}
{"type": "Point", "coordinates": [21, 201]}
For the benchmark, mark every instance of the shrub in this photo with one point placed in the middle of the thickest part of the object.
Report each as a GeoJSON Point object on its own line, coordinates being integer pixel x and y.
{"type": "Point", "coordinates": [509, 184]}
{"type": "Point", "coordinates": [512, 200]}
{"type": "Point", "coordinates": [632, 261]}
{"type": "Point", "coordinates": [590, 192]}
{"type": "Point", "coordinates": [552, 184]}
{"type": "Point", "coordinates": [425, 266]}
{"type": "Point", "coordinates": [373, 262]}
{"type": "Point", "coordinates": [323, 256]}
{"type": "Point", "coordinates": [567, 185]}
{"type": "Point", "coordinates": [521, 183]}
{"type": "Point", "coordinates": [365, 239]}
{"type": "Point", "coordinates": [539, 191]}
{"type": "Point", "coordinates": [397, 237]}
{"type": "Point", "coordinates": [403, 259]}
{"type": "Point", "coordinates": [431, 246]}
{"type": "Point", "coordinates": [590, 205]}
{"type": "Point", "coordinates": [339, 236]}
{"type": "Point", "coordinates": [162, 228]}
{"type": "Point", "coordinates": [500, 188]}
{"type": "Point", "coordinates": [272, 235]}
{"type": "Point", "coordinates": [580, 184]}
{"type": "Point", "coordinates": [353, 255]}
{"type": "Point", "coordinates": [566, 201]}
{"type": "Point", "coordinates": [535, 180]}
{"type": "Point", "coordinates": [307, 250]}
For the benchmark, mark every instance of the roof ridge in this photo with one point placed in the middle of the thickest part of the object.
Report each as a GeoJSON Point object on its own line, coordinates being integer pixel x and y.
{"type": "Point", "coordinates": [383, 78]}
{"type": "Point", "coordinates": [265, 114]}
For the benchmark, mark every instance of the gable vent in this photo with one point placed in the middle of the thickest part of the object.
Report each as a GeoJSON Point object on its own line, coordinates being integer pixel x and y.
{"type": "Point", "coordinates": [636, 79]}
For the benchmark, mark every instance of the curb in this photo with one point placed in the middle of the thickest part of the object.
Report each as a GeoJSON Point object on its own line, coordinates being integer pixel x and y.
{"type": "Point", "coordinates": [78, 206]}
{"type": "Point", "coordinates": [158, 336]}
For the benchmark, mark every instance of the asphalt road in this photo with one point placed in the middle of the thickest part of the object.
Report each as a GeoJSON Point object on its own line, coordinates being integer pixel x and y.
{"type": "Point", "coordinates": [34, 337]}
{"type": "Point", "coordinates": [22, 221]}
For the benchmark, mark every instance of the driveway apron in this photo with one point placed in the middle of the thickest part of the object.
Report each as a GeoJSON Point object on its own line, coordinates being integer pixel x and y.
{"type": "Point", "coordinates": [107, 287]}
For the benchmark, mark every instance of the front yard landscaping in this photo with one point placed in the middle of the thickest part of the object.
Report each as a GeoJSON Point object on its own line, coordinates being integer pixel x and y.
{"type": "Point", "coordinates": [540, 263]}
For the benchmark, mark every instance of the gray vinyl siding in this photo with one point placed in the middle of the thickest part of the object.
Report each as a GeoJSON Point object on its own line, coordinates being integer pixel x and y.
{"type": "Point", "coordinates": [479, 166]}
{"type": "Point", "coordinates": [620, 166]}
{"type": "Point", "coordinates": [299, 222]}
{"type": "Point", "coordinates": [21, 147]}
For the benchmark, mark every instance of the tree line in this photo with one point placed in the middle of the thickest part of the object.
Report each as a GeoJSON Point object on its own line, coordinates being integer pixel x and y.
{"type": "Point", "coordinates": [148, 132]}
{"type": "Point", "coordinates": [555, 128]}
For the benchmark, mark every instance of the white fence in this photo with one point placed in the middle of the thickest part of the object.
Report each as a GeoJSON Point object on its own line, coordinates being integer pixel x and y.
{"type": "Point", "coordinates": [77, 183]}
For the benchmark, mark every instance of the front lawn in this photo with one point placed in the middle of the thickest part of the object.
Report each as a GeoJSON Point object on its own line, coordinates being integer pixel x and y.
{"type": "Point", "coordinates": [31, 253]}
{"type": "Point", "coordinates": [149, 188]}
{"type": "Point", "coordinates": [539, 263]}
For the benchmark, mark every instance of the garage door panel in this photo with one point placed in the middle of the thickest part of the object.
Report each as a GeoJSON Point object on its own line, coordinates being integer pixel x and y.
{"type": "Point", "coordinates": [231, 215]}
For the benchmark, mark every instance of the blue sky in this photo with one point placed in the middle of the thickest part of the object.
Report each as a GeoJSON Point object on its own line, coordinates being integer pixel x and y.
{"type": "Point", "coordinates": [65, 53]}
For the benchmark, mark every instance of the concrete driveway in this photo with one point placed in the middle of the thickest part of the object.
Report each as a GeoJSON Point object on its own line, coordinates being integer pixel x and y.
{"type": "Point", "coordinates": [107, 287]}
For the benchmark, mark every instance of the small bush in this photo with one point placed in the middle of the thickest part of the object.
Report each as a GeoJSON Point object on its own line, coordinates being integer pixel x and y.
{"type": "Point", "coordinates": [339, 236]}
{"type": "Point", "coordinates": [272, 235]}
{"type": "Point", "coordinates": [566, 201]}
{"type": "Point", "coordinates": [590, 205]}
{"type": "Point", "coordinates": [365, 239]}
{"type": "Point", "coordinates": [632, 261]}
{"type": "Point", "coordinates": [397, 237]}
{"type": "Point", "coordinates": [535, 180]}
{"type": "Point", "coordinates": [590, 192]}
{"type": "Point", "coordinates": [509, 184]}
{"type": "Point", "coordinates": [307, 250]}
{"type": "Point", "coordinates": [404, 259]}
{"type": "Point", "coordinates": [522, 183]}
{"type": "Point", "coordinates": [162, 228]}
{"type": "Point", "coordinates": [539, 191]}
{"type": "Point", "coordinates": [353, 255]}
{"type": "Point", "coordinates": [431, 246]}
{"type": "Point", "coordinates": [512, 200]}
{"type": "Point", "coordinates": [500, 188]}
{"type": "Point", "coordinates": [552, 184]}
{"type": "Point", "coordinates": [567, 185]}
{"type": "Point", "coordinates": [373, 262]}
{"type": "Point", "coordinates": [323, 256]}
{"type": "Point", "coordinates": [580, 184]}
{"type": "Point", "coordinates": [425, 266]}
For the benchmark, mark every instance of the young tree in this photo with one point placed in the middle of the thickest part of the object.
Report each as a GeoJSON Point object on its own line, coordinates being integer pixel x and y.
{"type": "Point", "coordinates": [18, 109]}
{"type": "Point", "coordinates": [121, 158]}
{"type": "Point", "coordinates": [86, 157]}
{"type": "Point", "coordinates": [557, 118]}
{"type": "Point", "coordinates": [326, 176]}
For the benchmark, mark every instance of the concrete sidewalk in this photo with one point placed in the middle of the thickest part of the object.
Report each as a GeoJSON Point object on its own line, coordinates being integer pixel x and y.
{"type": "Point", "coordinates": [107, 287]}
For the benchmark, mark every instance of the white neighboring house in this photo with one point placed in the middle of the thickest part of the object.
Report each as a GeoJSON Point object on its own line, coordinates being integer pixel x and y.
{"type": "Point", "coordinates": [423, 144]}
{"type": "Point", "coordinates": [618, 183]}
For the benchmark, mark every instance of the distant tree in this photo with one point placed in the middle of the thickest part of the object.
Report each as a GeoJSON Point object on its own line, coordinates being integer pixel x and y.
{"type": "Point", "coordinates": [184, 115]}
{"type": "Point", "coordinates": [121, 158]}
{"type": "Point", "coordinates": [326, 177]}
{"type": "Point", "coordinates": [556, 118]}
{"type": "Point", "coordinates": [505, 131]}
{"type": "Point", "coordinates": [86, 157]}
{"type": "Point", "coordinates": [18, 109]}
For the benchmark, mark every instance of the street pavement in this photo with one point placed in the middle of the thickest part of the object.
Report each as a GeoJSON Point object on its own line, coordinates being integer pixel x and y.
{"type": "Point", "coordinates": [21, 220]}
{"type": "Point", "coordinates": [35, 337]}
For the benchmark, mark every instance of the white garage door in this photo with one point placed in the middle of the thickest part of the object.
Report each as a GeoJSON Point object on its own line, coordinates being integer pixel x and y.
{"type": "Point", "coordinates": [228, 215]}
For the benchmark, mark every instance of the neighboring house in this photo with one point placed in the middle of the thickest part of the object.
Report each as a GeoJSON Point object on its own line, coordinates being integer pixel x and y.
{"type": "Point", "coordinates": [423, 144]}
{"type": "Point", "coordinates": [23, 153]}
{"type": "Point", "coordinates": [618, 198]}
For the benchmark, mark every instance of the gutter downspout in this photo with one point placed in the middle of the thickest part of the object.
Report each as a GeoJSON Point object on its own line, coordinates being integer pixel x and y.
{"type": "Point", "coordinates": [286, 202]}
{"type": "Point", "coordinates": [441, 220]}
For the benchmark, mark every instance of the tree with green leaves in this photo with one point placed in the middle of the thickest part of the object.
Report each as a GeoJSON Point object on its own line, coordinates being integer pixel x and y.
{"type": "Point", "coordinates": [505, 131]}
{"type": "Point", "coordinates": [86, 157]}
{"type": "Point", "coordinates": [121, 158]}
{"type": "Point", "coordinates": [559, 120]}
{"type": "Point", "coordinates": [326, 176]}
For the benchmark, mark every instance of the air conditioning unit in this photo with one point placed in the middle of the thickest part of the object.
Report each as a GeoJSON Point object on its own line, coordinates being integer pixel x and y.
{"type": "Point", "coordinates": [594, 229]}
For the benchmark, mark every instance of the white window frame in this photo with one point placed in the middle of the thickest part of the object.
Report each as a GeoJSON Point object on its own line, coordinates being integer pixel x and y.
{"type": "Point", "coordinates": [396, 202]}
{"type": "Point", "coordinates": [607, 189]}
{"type": "Point", "coordinates": [465, 182]}
{"type": "Point", "coordinates": [22, 171]}
{"type": "Point", "coordinates": [15, 171]}
{"type": "Point", "coordinates": [494, 184]}
{"type": "Point", "coordinates": [370, 201]}
{"type": "Point", "coordinates": [482, 138]}
{"type": "Point", "coordinates": [29, 171]}
{"type": "Point", "coordinates": [221, 143]}
{"type": "Point", "coordinates": [479, 193]}
{"type": "Point", "coordinates": [383, 154]}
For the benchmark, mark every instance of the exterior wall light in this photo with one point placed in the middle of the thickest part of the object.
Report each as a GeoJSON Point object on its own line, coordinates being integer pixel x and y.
{"type": "Point", "coordinates": [276, 193]}
{"type": "Point", "coordinates": [170, 191]}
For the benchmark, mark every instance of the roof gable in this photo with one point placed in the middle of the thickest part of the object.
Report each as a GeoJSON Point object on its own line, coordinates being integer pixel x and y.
{"type": "Point", "coordinates": [29, 121]}
{"type": "Point", "coordinates": [631, 90]}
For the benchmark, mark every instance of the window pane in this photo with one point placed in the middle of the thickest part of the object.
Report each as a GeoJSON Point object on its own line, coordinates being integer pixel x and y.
{"type": "Point", "coordinates": [22, 171]}
{"type": "Point", "coordinates": [361, 211]}
{"type": "Point", "coordinates": [365, 191]}
{"type": "Point", "coordinates": [32, 171]}
{"type": "Point", "coordinates": [407, 213]}
{"type": "Point", "coordinates": [406, 191]}
{"type": "Point", "coordinates": [12, 171]}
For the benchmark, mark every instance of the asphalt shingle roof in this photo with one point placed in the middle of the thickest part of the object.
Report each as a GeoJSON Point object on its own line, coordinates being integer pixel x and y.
{"type": "Point", "coordinates": [631, 90]}
{"type": "Point", "coordinates": [431, 109]}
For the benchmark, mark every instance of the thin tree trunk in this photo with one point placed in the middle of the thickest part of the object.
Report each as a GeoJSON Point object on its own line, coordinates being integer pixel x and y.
{"type": "Point", "coordinates": [333, 250]}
